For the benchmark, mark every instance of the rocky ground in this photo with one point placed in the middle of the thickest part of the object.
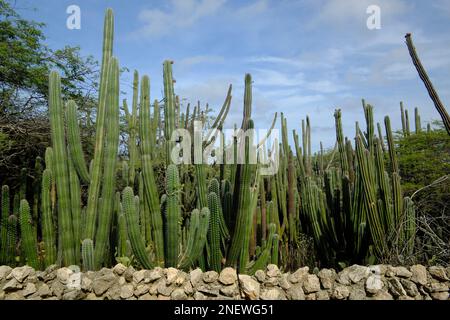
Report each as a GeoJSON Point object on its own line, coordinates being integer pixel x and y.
{"type": "Point", "coordinates": [380, 282]}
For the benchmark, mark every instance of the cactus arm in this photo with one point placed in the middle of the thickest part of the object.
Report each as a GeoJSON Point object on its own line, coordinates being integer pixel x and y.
{"type": "Point", "coordinates": [74, 142]}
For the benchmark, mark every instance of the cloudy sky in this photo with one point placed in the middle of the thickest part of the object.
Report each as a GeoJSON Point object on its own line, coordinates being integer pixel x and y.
{"type": "Point", "coordinates": [307, 57]}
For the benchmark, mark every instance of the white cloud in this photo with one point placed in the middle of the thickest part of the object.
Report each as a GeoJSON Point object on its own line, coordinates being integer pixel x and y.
{"type": "Point", "coordinates": [257, 7]}
{"type": "Point", "coordinates": [182, 14]}
{"type": "Point", "coordinates": [199, 59]}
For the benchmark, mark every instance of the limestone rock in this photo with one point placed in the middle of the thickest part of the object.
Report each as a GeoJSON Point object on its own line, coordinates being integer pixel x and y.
{"type": "Point", "coordinates": [171, 275]}
{"type": "Point", "coordinates": [63, 275]}
{"type": "Point", "coordinates": [357, 294]}
{"type": "Point", "coordinates": [402, 272]}
{"type": "Point", "coordinates": [272, 294]}
{"type": "Point", "coordinates": [128, 274]}
{"type": "Point", "coordinates": [141, 290]}
{"type": "Point", "coordinates": [410, 287]}
{"type": "Point", "coordinates": [119, 269]}
{"type": "Point", "coordinates": [30, 288]}
{"type": "Point", "coordinates": [284, 283]}
{"type": "Point", "coordinates": [272, 270]}
{"type": "Point", "coordinates": [396, 288]}
{"type": "Point", "coordinates": [21, 273]}
{"type": "Point", "coordinates": [383, 295]}
{"type": "Point", "coordinates": [260, 275]}
{"type": "Point", "coordinates": [178, 294]}
{"type": "Point", "coordinates": [73, 294]}
{"type": "Point", "coordinates": [438, 273]}
{"type": "Point", "coordinates": [327, 277]}
{"type": "Point", "coordinates": [138, 276]}
{"type": "Point", "coordinates": [322, 295]}
{"type": "Point", "coordinates": [102, 283]}
{"type": "Point", "coordinates": [126, 291]}
{"type": "Point", "coordinates": [299, 275]}
{"type": "Point", "coordinates": [311, 284]}
{"type": "Point", "coordinates": [440, 295]}
{"type": "Point", "coordinates": [357, 273]}
{"type": "Point", "coordinates": [44, 291]}
{"type": "Point", "coordinates": [295, 292]}
{"type": "Point", "coordinates": [153, 275]}
{"type": "Point", "coordinates": [210, 276]}
{"type": "Point", "coordinates": [12, 285]}
{"type": "Point", "coordinates": [419, 274]}
{"type": "Point", "coordinates": [4, 272]}
{"type": "Point", "coordinates": [374, 284]}
{"type": "Point", "coordinates": [228, 276]}
{"type": "Point", "coordinates": [230, 290]}
{"type": "Point", "coordinates": [340, 292]}
{"type": "Point", "coordinates": [250, 287]}
{"type": "Point", "coordinates": [195, 276]}
{"type": "Point", "coordinates": [147, 296]}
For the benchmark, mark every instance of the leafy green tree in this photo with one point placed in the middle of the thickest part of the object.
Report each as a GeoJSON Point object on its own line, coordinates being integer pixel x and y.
{"type": "Point", "coordinates": [25, 63]}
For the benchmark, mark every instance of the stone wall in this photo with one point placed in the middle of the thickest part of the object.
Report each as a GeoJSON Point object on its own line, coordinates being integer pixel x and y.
{"type": "Point", "coordinates": [381, 282]}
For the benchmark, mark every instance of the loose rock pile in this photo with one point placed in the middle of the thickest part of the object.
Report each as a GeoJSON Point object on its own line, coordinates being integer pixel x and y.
{"type": "Point", "coordinates": [380, 282]}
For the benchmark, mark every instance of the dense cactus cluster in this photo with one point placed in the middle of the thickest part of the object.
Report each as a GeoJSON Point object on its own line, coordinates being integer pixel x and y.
{"type": "Point", "coordinates": [206, 215]}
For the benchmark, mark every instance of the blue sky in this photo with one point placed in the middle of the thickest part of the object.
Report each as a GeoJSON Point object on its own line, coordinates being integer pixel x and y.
{"type": "Point", "coordinates": [307, 57]}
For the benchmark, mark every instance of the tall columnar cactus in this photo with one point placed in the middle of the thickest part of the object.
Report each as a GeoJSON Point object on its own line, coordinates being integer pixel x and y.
{"type": "Point", "coordinates": [75, 205]}
{"type": "Point", "coordinates": [61, 173]}
{"type": "Point", "coordinates": [169, 108]}
{"type": "Point", "coordinates": [214, 233]}
{"type": "Point", "coordinates": [417, 120]}
{"type": "Point", "coordinates": [173, 216]}
{"type": "Point", "coordinates": [29, 243]}
{"type": "Point", "coordinates": [95, 172]}
{"type": "Point", "coordinates": [12, 239]}
{"type": "Point", "coordinates": [133, 128]}
{"type": "Point", "coordinates": [122, 246]}
{"type": "Point", "coordinates": [110, 160]}
{"type": "Point", "coordinates": [242, 230]}
{"type": "Point", "coordinates": [150, 189]}
{"type": "Point", "coordinates": [37, 187]}
{"type": "Point", "coordinates": [74, 141]}
{"type": "Point", "coordinates": [5, 207]}
{"type": "Point", "coordinates": [49, 164]}
{"type": "Point", "coordinates": [48, 232]}
{"type": "Point", "coordinates": [23, 183]}
{"type": "Point", "coordinates": [87, 253]}
{"type": "Point", "coordinates": [131, 216]}
{"type": "Point", "coordinates": [427, 82]}
{"type": "Point", "coordinates": [198, 230]}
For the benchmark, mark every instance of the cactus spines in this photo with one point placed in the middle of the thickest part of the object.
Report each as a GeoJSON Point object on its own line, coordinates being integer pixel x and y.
{"type": "Point", "coordinates": [198, 230]}
{"type": "Point", "coordinates": [427, 82]}
{"type": "Point", "coordinates": [133, 127]}
{"type": "Point", "coordinates": [60, 168]}
{"type": "Point", "coordinates": [87, 253]}
{"type": "Point", "coordinates": [95, 171]}
{"type": "Point", "coordinates": [48, 233]}
{"type": "Point", "coordinates": [417, 120]}
{"type": "Point", "coordinates": [110, 159]}
{"type": "Point", "coordinates": [12, 239]}
{"type": "Point", "coordinates": [150, 188]}
{"type": "Point", "coordinates": [214, 233]}
{"type": "Point", "coordinates": [169, 108]}
{"type": "Point", "coordinates": [131, 216]}
{"type": "Point", "coordinates": [173, 216]}
{"type": "Point", "coordinates": [29, 243]}
{"type": "Point", "coordinates": [74, 141]}
{"type": "Point", "coordinates": [5, 208]}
